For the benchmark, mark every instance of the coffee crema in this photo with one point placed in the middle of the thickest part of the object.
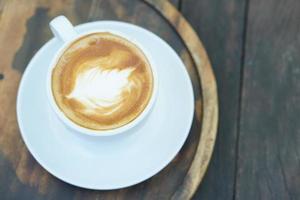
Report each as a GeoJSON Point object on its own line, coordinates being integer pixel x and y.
{"type": "Point", "coordinates": [102, 81]}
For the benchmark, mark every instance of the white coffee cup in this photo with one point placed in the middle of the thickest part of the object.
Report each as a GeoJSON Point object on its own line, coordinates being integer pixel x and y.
{"type": "Point", "coordinates": [64, 31]}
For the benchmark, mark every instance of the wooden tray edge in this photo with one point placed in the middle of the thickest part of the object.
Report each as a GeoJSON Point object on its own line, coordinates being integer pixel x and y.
{"type": "Point", "coordinates": [210, 115]}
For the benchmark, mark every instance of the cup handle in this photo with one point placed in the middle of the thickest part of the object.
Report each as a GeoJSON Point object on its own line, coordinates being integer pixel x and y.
{"type": "Point", "coordinates": [62, 29]}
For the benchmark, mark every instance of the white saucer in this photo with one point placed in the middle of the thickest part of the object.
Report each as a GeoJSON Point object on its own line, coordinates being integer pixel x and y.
{"type": "Point", "coordinates": [116, 161]}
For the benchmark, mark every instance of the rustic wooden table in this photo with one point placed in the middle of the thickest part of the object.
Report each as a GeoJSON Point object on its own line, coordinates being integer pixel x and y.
{"type": "Point", "coordinates": [254, 47]}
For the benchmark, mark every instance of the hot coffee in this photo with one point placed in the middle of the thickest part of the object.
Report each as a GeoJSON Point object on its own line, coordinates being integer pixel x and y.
{"type": "Point", "coordinates": [102, 81]}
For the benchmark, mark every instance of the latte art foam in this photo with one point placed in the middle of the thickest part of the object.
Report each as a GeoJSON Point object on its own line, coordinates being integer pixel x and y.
{"type": "Point", "coordinates": [102, 90]}
{"type": "Point", "coordinates": [102, 81]}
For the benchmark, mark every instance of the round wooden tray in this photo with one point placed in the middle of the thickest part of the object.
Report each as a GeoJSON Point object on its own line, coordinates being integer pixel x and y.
{"type": "Point", "coordinates": [22, 176]}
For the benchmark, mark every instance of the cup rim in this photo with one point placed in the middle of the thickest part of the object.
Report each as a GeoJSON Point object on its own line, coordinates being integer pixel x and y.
{"type": "Point", "coordinates": [110, 132]}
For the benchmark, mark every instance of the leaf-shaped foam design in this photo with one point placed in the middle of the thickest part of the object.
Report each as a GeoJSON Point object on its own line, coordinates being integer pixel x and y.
{"type": "Point", "coordinates": [96, 88]}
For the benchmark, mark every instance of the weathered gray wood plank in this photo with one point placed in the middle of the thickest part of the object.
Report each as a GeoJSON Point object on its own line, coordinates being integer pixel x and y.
{"type": "Point", "coordinates": [269, 146]}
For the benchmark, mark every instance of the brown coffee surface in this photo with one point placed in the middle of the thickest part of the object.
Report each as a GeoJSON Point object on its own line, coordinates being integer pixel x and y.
{"type": "Point", "coordinates": [102, 81]}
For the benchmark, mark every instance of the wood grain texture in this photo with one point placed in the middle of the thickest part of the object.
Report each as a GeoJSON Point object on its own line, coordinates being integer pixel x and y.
{"type": "Point", "coordinates": [269, 147]}
{"type": "Point", "coordinates": [21, 175]}
{"type": "Point", "coordinates": [220, 26]}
